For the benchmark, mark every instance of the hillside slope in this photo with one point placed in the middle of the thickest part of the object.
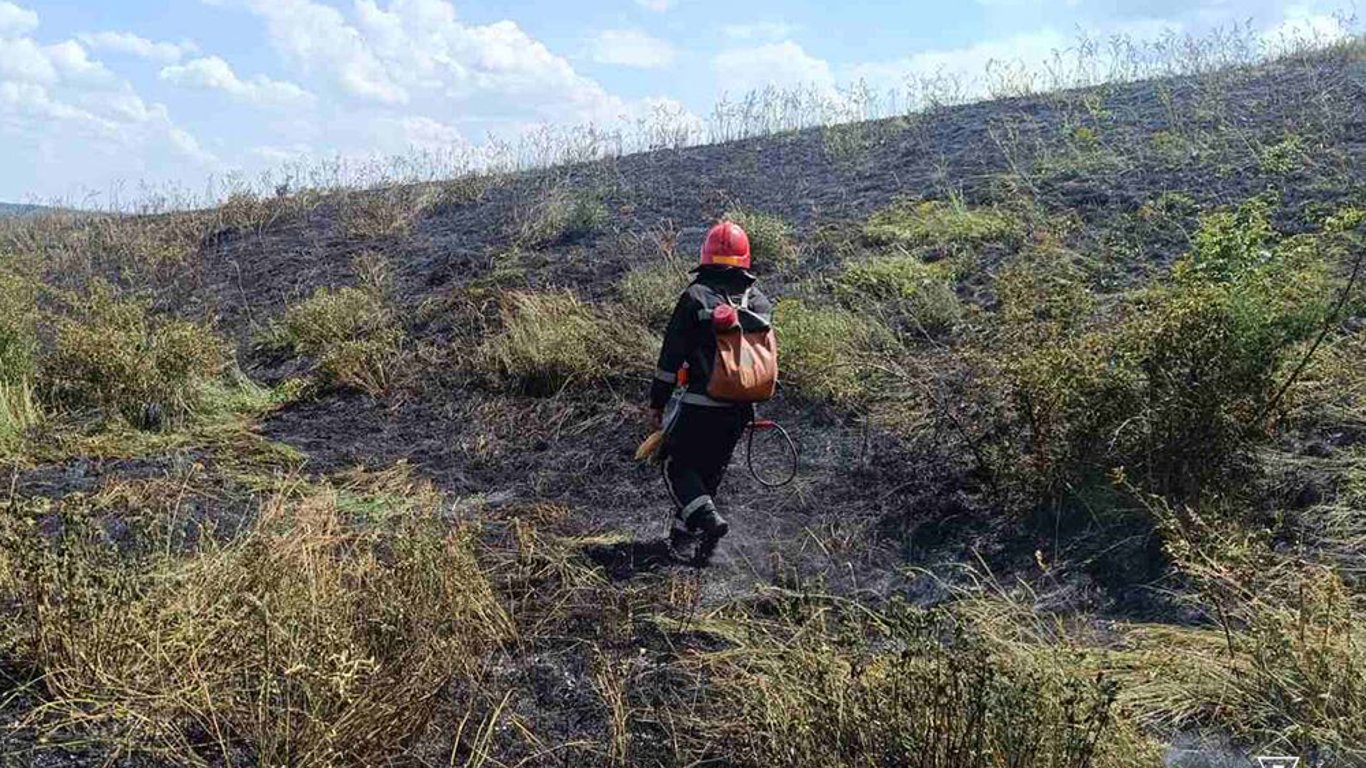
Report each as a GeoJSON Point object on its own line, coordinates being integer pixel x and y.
{"type": "Point", "coordinates": [358, 464]}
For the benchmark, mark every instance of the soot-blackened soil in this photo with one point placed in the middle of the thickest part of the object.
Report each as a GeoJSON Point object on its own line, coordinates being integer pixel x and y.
{"type": "Point", "coordinates": [863, 506]}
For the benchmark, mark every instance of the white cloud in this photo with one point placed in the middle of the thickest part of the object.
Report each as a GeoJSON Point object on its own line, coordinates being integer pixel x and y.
{"type": "Point", "coordinates": [213, 73]}
{"type": "Point", "coordinates": [968, 64]}
{"type": "Point", "coordinates": [426, 133]}
{"type": "Point", "coordinates": [317, 38]}
{"type": "Point", "coordinates": [22, 60]}
{"type": "Point", "coordinates": [759, 30]}
{"type": "Point", "coordinates": [658, 6]}
{"type": "Point", "coordinates": [632, 48]}
{"type": "Point", "coordinates": [419, 55]}
{"type": "Point", "coordinates": [782, 65]}
{"type": "Point", "coordinates": [1302, 25]}
{"type": "Point", "coordinates": [16, 21]}
{"type": "Point", "coordinates": [66, 117]}
{"type": "Point", "coordinates": [134, 45]}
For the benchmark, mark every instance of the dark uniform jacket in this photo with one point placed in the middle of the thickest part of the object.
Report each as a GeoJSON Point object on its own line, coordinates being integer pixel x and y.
{"type": "Point", "coordinates": [690, 338]}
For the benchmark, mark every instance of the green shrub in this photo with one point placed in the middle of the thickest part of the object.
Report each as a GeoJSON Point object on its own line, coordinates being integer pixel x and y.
{"type": "Point", "coordinates": [1229, 244]}
{"type": "Point", "coordinates": [351, 335]}
{"type": "Point", "coordinates": [115, 354]}
{"type": "Point", "coordinates": [650, 293]}
{"type": "Point", "coordinates": [942, 224]}
{"type": "Point", "coordinates": [560, 216]}
{"type": "Point", "coordinates": [552, 340]}
{"type": "Point", "coordinates": [771, 246]}
{"type": "Point", "coordinates": [826, 351]}
{"type": "Point", "coordinates": [1284, 157]}
{"type": "Point", "coordinates": [904, 287]}
{"type": "Point", "coordinates": [1172, 385]}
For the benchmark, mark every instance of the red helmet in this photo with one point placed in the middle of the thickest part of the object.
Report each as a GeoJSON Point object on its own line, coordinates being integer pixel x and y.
{"type": "Point", "coordinates": [726, 244]}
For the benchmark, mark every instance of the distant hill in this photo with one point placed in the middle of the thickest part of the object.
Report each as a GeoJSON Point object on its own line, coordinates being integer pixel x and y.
{"type": "Point", "coordinates": [21, 209]}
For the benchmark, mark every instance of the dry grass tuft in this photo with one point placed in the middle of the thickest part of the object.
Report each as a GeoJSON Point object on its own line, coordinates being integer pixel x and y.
{"type": "Point", "coordinates": [824, 683]}
{"type": "Point", "coordinates": [324, 635]}
{"type": "Point", "coordinates": [113, 353]}
{"type": "Point", "coordinates": [384, 212]}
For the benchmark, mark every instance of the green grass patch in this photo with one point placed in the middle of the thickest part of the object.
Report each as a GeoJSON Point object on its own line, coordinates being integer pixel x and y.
{"type": "Point", "coordinates": [904, 289]}
{"type": "Point", "coordinates": [771, 245]}
{"type": "Point", "coordinates": [352, 334]}
{"type": "Point", "coordinates": [826, 351]}
{"type": "Point", "coordinates": [649, 293]}
{"type": "Point", "coordinates": [561, 216]}
{"type": "Point", "coordinates": [18, 328]}
{"type": "Point", "coordinates": [943, 224]}
{"type": "Point", "coordinates": [550, 341]}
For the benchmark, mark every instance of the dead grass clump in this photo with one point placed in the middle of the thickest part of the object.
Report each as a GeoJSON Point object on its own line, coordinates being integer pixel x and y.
{"type": "Point", "coordinates": [114, 354]}
{"type": "Point", "coordinates": [390, 210]}
{"type": "Point", "coordinates": [246, 211]}
{"type": "Point", "coordinates": [1279, 666]}
{"type": "Point", "coordinates": [831, 684]}
{"type": "Point", "coordinates": [1290, 672]}
{"type": "Point", "coordinates": [553, 340]}
{"type": "Point", "coordinates": [322, 636]}
{"type": "Point", "coordinates": [19, 412]}
{"type": "Point", "coordinates": [352, 334]}
{"type": "Point", "coordinates": [469, 189]}
{"type": "Point", "coordinates": [68, 248]}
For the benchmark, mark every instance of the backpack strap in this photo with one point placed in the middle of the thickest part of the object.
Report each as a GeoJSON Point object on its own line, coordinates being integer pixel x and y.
{"type": "Point", "coordinates": [705, 314]}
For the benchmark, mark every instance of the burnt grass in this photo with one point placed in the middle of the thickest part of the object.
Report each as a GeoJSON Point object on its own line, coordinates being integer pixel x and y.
{"type": "Point", "coordinates": [870, 510]}
{"type": "Point", "coordinates": [576, 448]}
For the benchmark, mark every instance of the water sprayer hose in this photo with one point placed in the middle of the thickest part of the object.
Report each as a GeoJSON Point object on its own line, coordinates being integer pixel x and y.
{"type": "Point", "coordinates": [764, 424]}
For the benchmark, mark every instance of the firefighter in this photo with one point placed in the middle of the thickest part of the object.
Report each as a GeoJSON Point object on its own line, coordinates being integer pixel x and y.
{"type": "Point", "coordinates": [702, 435]}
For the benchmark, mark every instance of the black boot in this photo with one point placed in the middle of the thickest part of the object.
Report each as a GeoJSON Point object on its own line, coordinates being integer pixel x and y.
{"type": "Point", "coordinates": [682, 545]}
{"type": "Point", "coordinates": [707, 525]}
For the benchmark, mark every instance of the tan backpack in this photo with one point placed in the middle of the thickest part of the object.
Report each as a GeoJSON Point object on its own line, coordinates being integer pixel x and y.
{"type": "Point", "coordinates": [746, 365]}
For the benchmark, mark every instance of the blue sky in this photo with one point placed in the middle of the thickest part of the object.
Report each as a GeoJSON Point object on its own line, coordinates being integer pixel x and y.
{"type": "Point", "coordinates": [98, 97]}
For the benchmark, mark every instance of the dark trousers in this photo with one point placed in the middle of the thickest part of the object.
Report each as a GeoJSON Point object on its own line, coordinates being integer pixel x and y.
{"type": "Point", "coordinates": [698, 450]}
